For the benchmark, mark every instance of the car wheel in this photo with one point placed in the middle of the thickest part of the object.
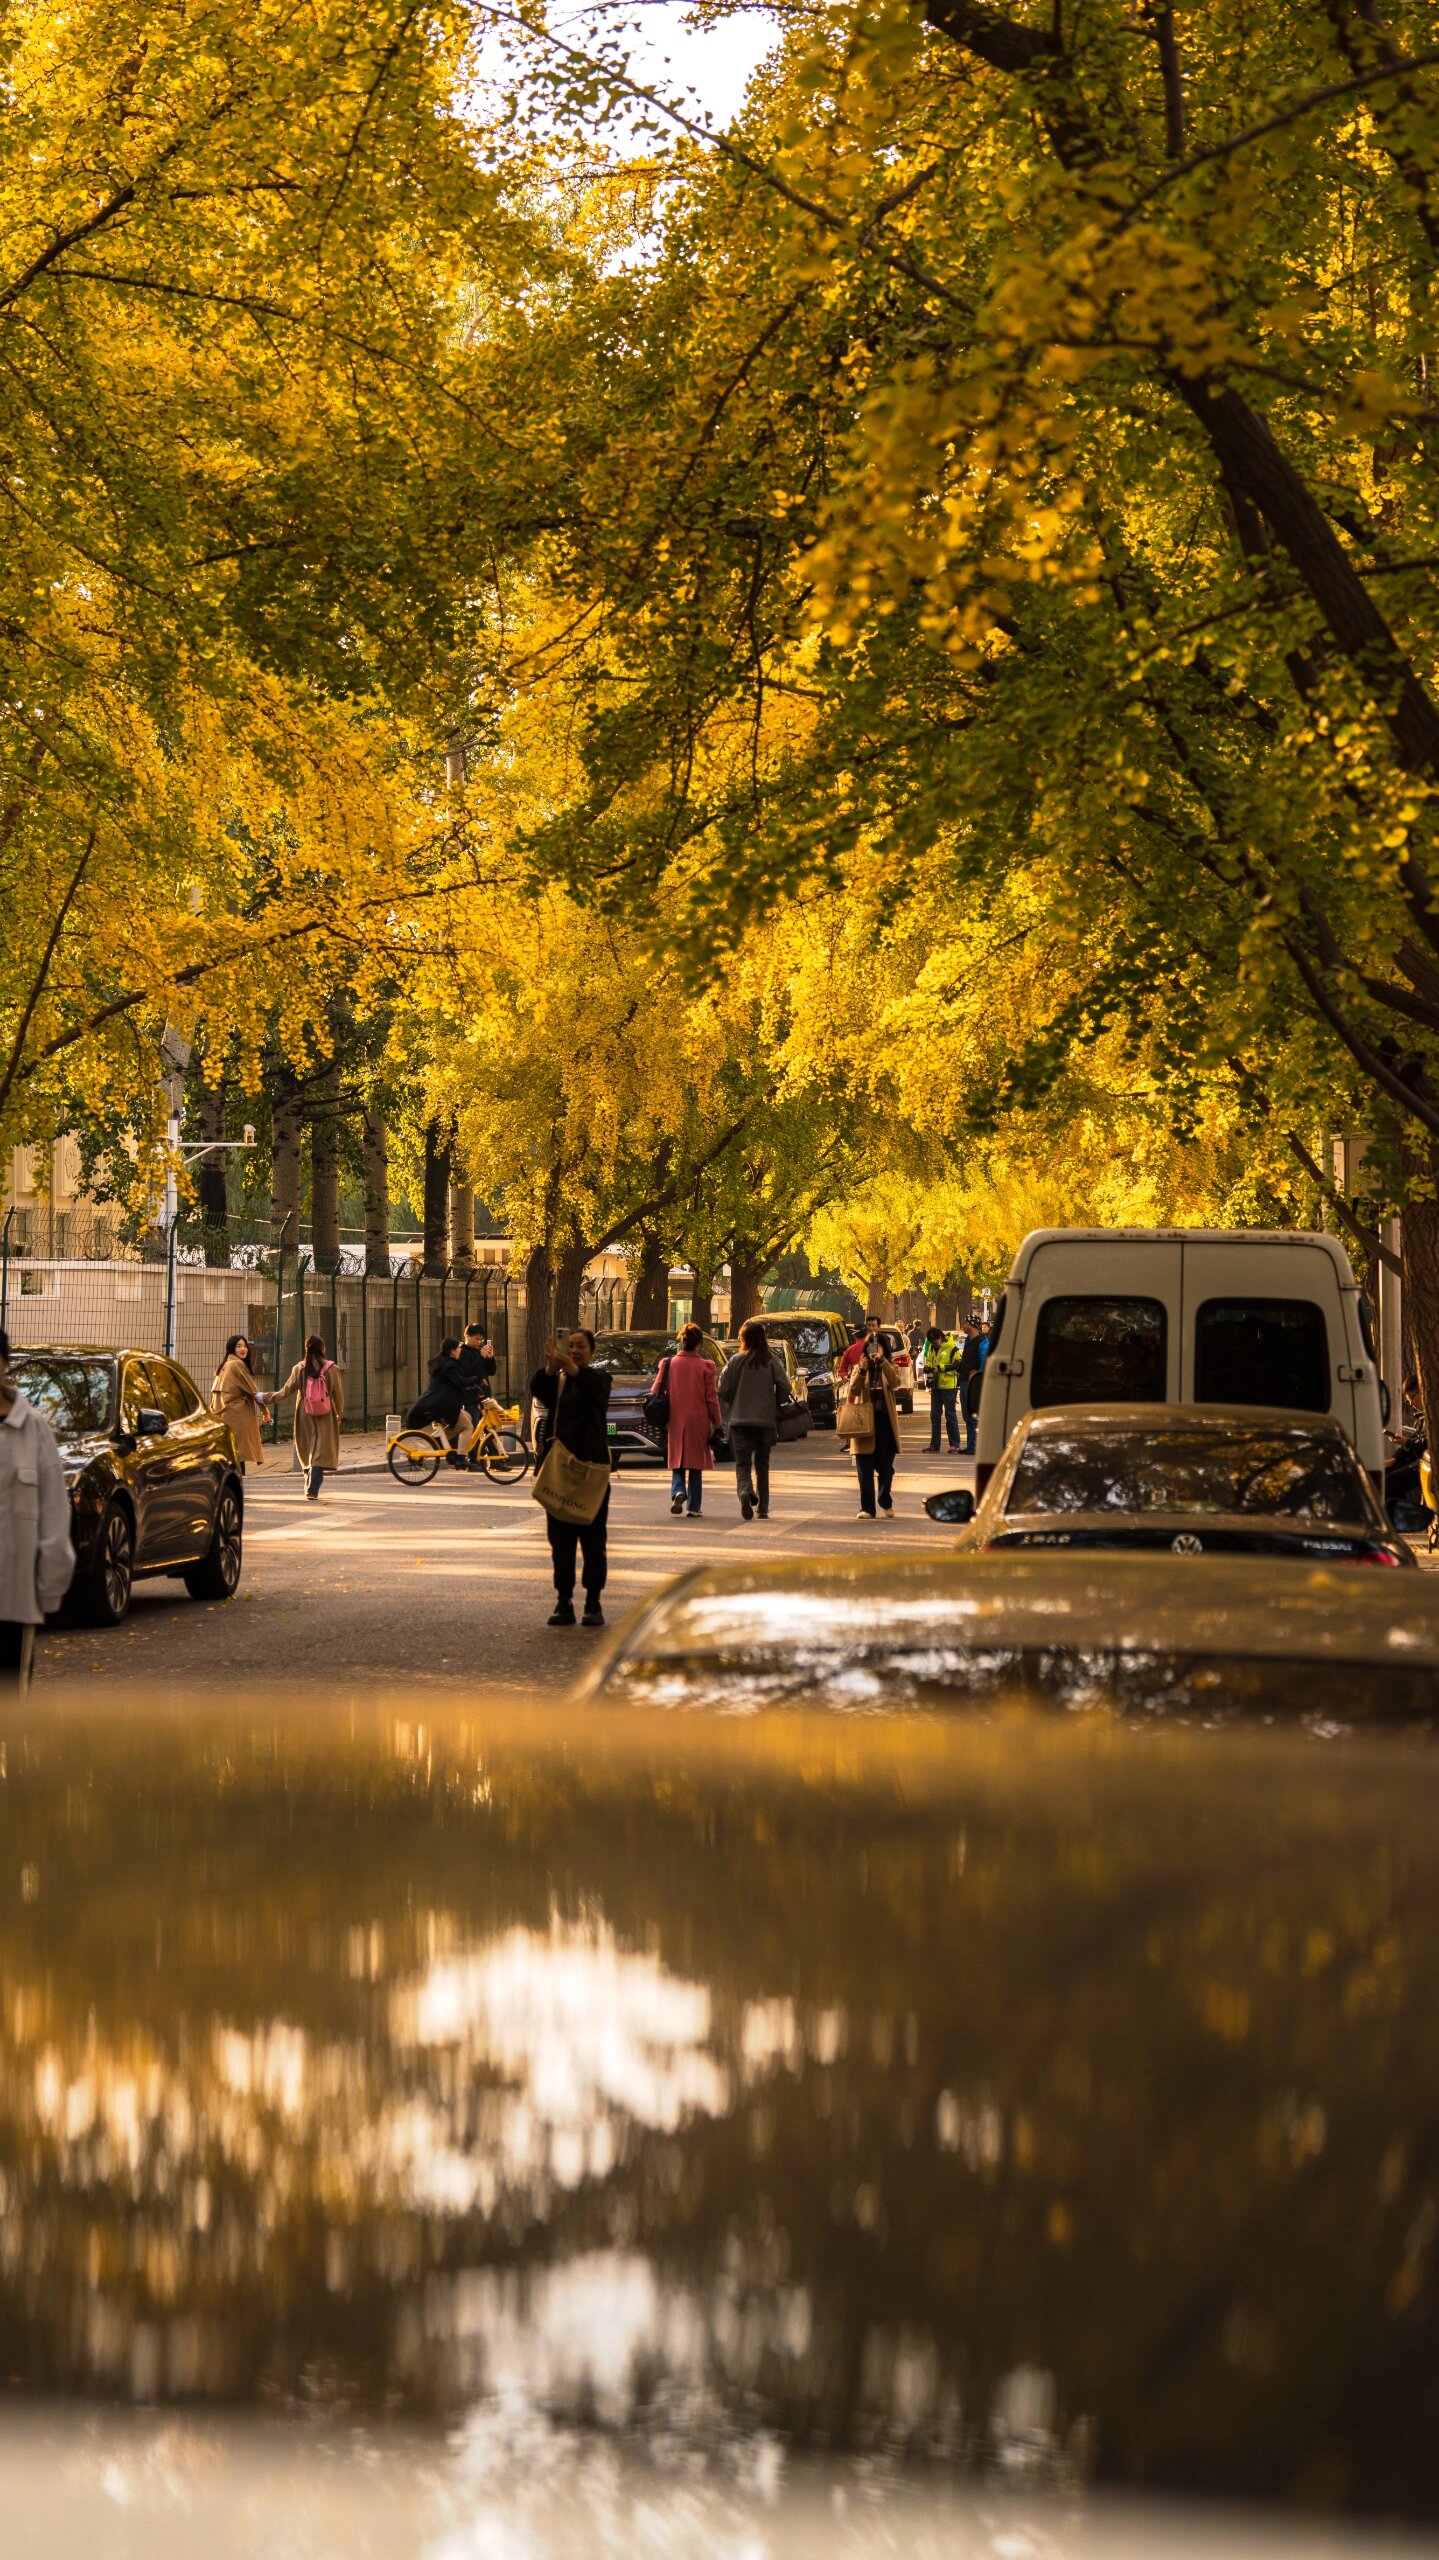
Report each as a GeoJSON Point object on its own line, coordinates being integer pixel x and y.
{"type": "Point", "coordinates": [102, 1593]}
{"type": "Point", "coordinates": [217, 1575]}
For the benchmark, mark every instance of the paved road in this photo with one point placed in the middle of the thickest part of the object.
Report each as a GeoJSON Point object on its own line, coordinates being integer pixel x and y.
{"type": "Point", "coordinates": [450, 1581]}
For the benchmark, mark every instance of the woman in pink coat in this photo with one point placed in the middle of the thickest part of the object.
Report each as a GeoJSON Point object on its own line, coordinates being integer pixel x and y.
{"type": "Point", "coordinates": [694, 1414]}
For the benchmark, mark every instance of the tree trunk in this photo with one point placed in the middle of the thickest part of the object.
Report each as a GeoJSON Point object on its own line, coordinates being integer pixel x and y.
{"type": "Point", "coordinates": [285, 1166]}
{"type": "Point", "coordinates": [211, 1177]}
{"type": "Point", "coordinates": [325, 1173]}
{"type": "Point", "coordinates": [462, 1226]}
{"type": "Point", "coordinates": [376, 1144]}
{"type": "Point", "coordinates": [539, 1282]}
{"type": "Point", "coordinates": [702, 1306]}
{"type": "Point", "coordinates": [652, 1290]}
{"type": "Point", "coordinates": [1419, 1251]}
{"type": "Point", "coordinates": [437, 1199]}
{"type": "Point", "coordinates": [877, 1301]}
{"type": "Point", "coordinates": [744, 1283]}
{"type": "Point", "coordinates": [568, 1277]}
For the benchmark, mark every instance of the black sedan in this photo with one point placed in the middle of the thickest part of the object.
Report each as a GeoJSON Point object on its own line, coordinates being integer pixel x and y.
{"type": "Point", "coordinates": [154, 1481]}
{"type": "Point", "coordinates": [1195, 1480]}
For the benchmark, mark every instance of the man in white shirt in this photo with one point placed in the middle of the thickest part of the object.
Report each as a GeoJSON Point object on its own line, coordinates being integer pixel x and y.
{"type": "Point", "coordinates": [36, 1556]}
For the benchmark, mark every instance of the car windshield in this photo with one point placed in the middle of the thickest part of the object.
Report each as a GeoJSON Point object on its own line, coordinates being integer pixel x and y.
{"type": "Point", "coordinates": [75, 1396]}
{"type": "Point", "coordinates": [808, 1342]}
{"type": "Point", "coordinates": [631, 1355]}
{"type": "Point", "coordinates": [1292, 1475]}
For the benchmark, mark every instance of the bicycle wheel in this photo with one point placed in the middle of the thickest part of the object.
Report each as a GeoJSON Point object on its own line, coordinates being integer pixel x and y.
{"type": "Point", "coordinates": [504, 1456]}
{"type": "Point", "coordinates": [413, 1458]}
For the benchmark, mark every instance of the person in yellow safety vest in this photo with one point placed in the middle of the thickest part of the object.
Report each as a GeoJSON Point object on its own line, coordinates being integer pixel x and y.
{"type": "Point", "coordinates": [941, 1369]}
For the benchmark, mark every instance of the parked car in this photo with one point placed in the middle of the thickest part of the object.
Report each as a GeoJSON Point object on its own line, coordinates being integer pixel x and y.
{"type": "Point", "coordinates": [1067, 1629]}
{"type": "Point", "coordinates": [1196, 1479]}
{"type": "Point", "coordinates": [154, 1481]}
{"type": "Point", "coordinates": [816, 1337]}
{"type": "Point", "coordinates": [632, 1360]}
{"type": "Point", "coordinates": [1195, 1315]}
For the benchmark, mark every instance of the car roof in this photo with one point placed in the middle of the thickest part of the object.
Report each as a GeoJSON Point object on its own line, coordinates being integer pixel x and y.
{"type": "Point", "coordinates": [1188, 1417]}
{"type": "Point", "coordinates": [1110, 1601]}
{"type": "Point", "coordinates": [1041, 1236]}
{"type": "Point", "coordinates": [82, 1351]}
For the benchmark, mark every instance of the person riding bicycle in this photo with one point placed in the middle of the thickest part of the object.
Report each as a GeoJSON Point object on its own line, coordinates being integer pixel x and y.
{"type": "Point", "coordinates": [444, 1398]}
{"type": "Point", "coordinates": [477, 1366]}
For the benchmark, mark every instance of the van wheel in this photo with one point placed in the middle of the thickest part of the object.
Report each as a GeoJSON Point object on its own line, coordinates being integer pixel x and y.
{"type": "Point", "coordinates": [217, 1575]}
{"type": "Point", "coordinates": [102, 1593]}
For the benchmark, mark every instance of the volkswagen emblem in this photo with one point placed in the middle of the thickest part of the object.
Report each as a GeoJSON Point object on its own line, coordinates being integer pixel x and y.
{"type": "Point", "coordinates": [1186, 1544]}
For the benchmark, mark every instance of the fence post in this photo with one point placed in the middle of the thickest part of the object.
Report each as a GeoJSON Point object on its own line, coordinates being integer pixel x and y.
{"type": "Point", "coordinates": [170, 1289]}
{"type": "Point", "coordinates": [279, 1337]}
{"type": "Point", "coordinates": [5, 1270]}
{"type": "Point", "coordinates": [395, 1404]}
{"type": "Point", "coordinates": [365, 1348]}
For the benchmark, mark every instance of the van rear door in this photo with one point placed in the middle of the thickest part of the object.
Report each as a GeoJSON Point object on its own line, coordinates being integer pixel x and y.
{"type": "Point", "coordinates": [1097, 1324]}
{"type": "Point", "coordinates": [1263, 1323]}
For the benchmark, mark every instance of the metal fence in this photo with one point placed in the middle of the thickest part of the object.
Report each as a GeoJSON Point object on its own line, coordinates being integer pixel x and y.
{"type": "Point", "coordinates": [165, 1294]}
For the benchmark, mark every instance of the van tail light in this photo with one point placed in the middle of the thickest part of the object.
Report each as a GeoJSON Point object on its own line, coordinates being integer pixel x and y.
{"type": "Point", "coordinates": [982, 1474]}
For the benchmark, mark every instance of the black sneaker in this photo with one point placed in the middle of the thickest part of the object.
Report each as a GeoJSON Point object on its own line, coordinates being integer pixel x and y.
{"type": "Point", "coordinates": [746, 1504]}
{"type": "Point", "coordinates": [594, 1615]}
{"type": "Point", "coordinates": [677, 1503]}
{"type": "Point", "coordinates": [562, 1614]}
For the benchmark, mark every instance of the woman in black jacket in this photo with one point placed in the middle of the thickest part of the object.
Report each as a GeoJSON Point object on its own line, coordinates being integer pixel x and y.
{"type": "Point", "coordinates": [575, 1396]}
{"type": "Point", "coordinates": [444, 1398]}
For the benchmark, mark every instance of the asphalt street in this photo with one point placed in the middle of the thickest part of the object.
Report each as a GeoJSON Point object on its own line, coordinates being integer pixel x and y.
{"type": "Point", "coordinates": [450, 1581]}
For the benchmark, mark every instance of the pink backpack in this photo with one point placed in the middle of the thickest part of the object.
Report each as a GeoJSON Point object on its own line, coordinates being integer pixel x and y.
{"type": "Point", "coordinates": [317, 1391]}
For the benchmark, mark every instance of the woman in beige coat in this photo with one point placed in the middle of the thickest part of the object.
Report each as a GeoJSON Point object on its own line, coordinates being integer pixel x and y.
{"type": "Point", "coordinates": [869, 1420]}
{"type": "Point", "coordinates": [314, 1382]}
{"type": "Point", "coordinates": [238, 1401]}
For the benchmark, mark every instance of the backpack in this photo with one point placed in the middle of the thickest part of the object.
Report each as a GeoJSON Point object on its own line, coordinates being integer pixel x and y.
{"type": "Point", "coordinates": [317, 1391]}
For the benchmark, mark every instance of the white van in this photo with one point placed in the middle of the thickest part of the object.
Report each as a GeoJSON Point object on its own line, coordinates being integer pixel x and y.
{"type": "Point", "coordinates": [1181, 1315]}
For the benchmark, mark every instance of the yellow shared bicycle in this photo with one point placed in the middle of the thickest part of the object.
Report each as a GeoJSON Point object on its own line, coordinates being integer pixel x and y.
{"type": "Point", "coordinates": [496, 1448]}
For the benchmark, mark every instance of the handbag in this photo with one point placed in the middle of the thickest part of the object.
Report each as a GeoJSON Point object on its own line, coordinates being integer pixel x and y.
{"type": "Point", "coordinates": [855, 1418]}
{"type": "Point", "coordinates": [570, 1488]}
{"type": "Point", "coordinates": [793, 1419]}
{"type": "Point", "coordinates": [655, 1411]}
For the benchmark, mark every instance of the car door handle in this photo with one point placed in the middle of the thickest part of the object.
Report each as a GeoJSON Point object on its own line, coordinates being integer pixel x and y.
{"type": "Point", "coordinates": [1010, 1368]}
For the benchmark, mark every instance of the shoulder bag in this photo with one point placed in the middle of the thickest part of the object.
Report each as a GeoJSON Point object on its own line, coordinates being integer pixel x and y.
{"type": "Point", "coordinates": [855, 1418]}
{"type": "Point", "coordinates": [569, 1488]}
{"type": "Point", "coordinates": [791, 1412]}
{"type": "Point", "coordinates": [655, 1411]}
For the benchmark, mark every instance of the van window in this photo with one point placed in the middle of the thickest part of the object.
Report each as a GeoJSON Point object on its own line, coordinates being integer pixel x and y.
{"type": "Point", "coordinates": [1100, 1351]}
{"type": "Point", "coordinates": [1262, 1351]}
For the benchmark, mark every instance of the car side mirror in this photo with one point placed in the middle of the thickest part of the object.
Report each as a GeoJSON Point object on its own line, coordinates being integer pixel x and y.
{"type": "Point", "coordinates": [954, 1509]}
{"type": "Point", "coordinates": [150, 1422]}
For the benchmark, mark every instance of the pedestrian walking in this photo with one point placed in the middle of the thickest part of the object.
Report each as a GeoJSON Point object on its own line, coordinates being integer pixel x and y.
{"type": "Point", "coordinates": [687, 1378]}
{"type": "Point", "coordinates": [752, 1391]}
{"type": "Point", "coordinates": [443, 1400]}
{"type": "Point", "coordinates": [314, 1382]}
{"type": "Point", "coordinates": [973, 1352]}
{"type": "Point", "coordinates": [869, 1420]}
{"type": "Point", "coordinates": [941, 1372]}
{"type": "Point", "coordinates": [851, 1356]}
{"type": "Point", "coordinates": [238, 1401]}
{"type": "Point", "coordinates": [36, 1557]}
{"type": "Point", "coordinates": [575, 1396]}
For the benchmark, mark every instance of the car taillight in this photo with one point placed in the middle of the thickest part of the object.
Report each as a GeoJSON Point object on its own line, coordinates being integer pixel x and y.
{"type": "Point", "coordinates": [982, 1474]}
{"type": "Point", "coordinates": [1375, 1555]}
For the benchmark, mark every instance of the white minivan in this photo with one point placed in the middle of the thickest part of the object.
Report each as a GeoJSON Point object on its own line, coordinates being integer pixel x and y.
{"type": "Point", "coordinates": [1181, 1315]}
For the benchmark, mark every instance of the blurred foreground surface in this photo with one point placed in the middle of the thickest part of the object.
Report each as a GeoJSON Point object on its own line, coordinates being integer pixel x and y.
{"type": "Point", "coordinates": [665, 2117]}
